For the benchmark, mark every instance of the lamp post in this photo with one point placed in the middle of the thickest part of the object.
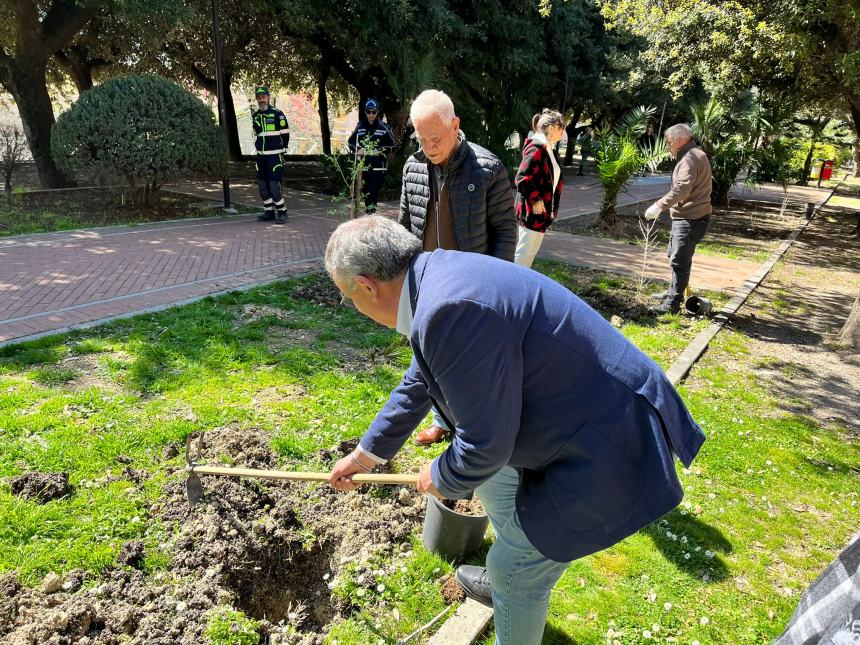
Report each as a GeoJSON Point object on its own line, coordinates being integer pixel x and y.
{"type": "Point", "coordinates": [219, 86]}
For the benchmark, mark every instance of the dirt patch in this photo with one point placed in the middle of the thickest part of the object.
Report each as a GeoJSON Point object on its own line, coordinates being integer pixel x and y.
{"type": "Point", "coordinates": [451, 590]}
{"type": "Point", "coordinates": [745, 230]}
{"type": "Point", "coordinates": [319, 291]}
{"type": "Point", "coordinates": [278, 394]}
{"type": "Point", "coordinates": [251, 314]}
{"type": "Point", "coordinates": [465, 506]}
{"type": "Point", "coordinates": [41, 487]}
{"type": "Point", "coordinates": [273, 550]}
{"type": "Point", "coordinates": [90, 373]}
{"type": "Point", "coordinates": [793, 318]}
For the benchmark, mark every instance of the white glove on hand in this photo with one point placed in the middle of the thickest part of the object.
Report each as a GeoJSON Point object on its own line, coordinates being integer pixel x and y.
{"type": "Point", "coordinates": [653, 212]}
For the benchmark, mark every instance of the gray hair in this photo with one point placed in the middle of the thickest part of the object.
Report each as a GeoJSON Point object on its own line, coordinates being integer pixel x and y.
{"type": "Point", "coordinates": [542, 121]}
{"type": "Point", "coordinates": [372, 246]}
{"type": "Point", "coordinates": [679, 131]}
{"type": "Point", "coordinates": [433, 102]}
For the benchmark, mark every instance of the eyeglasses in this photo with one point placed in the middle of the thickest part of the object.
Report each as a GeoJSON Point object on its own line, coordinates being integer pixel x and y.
{"type": "Point", "coordinates": [370, 111]}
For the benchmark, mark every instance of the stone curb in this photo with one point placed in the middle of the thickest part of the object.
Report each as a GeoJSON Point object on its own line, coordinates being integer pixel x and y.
{"type": "Point", "coordinates": [684, 363]}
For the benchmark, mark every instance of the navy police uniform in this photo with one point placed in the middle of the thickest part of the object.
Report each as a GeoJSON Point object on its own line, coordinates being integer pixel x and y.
{"type": "Point", "coordinates": [272, 136]}
{"type": "Point", "coordinates": [377, 140]}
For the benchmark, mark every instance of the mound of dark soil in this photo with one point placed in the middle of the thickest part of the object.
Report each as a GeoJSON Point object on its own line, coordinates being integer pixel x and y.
{"type": "Point", "coordinates": [466, 506]}
{"type": "Point", "coordinates": [41, 487]}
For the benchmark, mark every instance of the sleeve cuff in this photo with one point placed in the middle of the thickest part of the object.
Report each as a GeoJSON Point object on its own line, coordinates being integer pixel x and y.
{"type": "Point", "coordinates": [444, 489]}
{"type": "Point", "coordinates": [376, 460]}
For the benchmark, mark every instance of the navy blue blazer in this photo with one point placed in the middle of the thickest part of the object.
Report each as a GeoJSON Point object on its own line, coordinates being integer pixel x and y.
{"type": "Point", "coordinates": [532, 377]}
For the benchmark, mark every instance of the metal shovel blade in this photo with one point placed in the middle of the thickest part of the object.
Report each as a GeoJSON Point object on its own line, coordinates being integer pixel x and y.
{"type": "Point", "coordinates": [193, 489]}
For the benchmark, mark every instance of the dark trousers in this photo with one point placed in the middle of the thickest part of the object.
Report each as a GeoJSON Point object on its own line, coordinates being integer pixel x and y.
{"type": "Point", "coordinates": [582, 163]}
{"type": "Point", "coordinates": [372, 184]}
{"type": "Point", "coordinates": [270, 171]}
{"type": "Point", "coordinates": [686, 234]}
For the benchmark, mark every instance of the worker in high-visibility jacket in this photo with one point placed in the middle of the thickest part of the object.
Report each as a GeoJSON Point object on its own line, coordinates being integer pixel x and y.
{"type": "Point", "coordinates": [372, 139]}
{"type": "Point", "coordinates": [272, 138]}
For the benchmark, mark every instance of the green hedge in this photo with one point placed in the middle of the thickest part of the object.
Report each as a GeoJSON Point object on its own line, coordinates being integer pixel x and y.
{"type": "Point", "coordinates": [143, 127]}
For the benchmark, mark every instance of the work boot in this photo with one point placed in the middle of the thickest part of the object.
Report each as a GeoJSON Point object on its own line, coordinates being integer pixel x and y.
{"type": "Point", "coordinates": [431, 435]}
{"type": "Point", "coordinates": [266, 216]}
{"type": "Point", "coordinates": [670, 304]}
{"type": "Point", "coordinates": [659, 296]}
{"type": "Point", "coordinates": [281, 217]}
{"type": "Point", "coordinates": [476, 583]}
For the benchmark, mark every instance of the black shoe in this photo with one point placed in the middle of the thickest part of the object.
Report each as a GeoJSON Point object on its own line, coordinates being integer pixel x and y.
{"type": "Point", "coordinates": [670, 304]}
{"type": "Point", "coordinates": [268, 216]}
{"type": "Point", "coordinates": [476, 583]}
{"type": "Point", "coordinates": [281, 217]}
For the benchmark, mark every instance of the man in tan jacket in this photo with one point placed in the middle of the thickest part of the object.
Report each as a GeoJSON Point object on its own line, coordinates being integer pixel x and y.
{"type": "Point", "coordinates": [689, 204]}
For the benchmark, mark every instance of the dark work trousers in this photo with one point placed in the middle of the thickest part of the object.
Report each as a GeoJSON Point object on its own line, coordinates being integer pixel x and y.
{"type": "Point", "coordinates": [372, 180]}
{"type": "Point", "coordinates": [686, 234]}
{"type": "Point", "coordinates": [270, 171]}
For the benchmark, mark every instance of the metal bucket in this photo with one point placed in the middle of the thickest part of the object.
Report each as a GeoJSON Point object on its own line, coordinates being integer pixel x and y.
{"type": "Point", "coordinates": [698, 306]}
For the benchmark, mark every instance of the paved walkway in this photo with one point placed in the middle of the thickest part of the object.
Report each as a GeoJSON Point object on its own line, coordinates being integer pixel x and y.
{"type": "Point", "coordinates": [775, 193]}
{"type": "Point", "coordinates": [54, 281]}
{"type": "Point", "coordinates": [709, 272]}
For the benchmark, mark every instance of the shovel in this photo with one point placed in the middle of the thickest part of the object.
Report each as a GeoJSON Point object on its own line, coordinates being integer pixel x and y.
{"type": "Point", "coordinates": [194, 487]}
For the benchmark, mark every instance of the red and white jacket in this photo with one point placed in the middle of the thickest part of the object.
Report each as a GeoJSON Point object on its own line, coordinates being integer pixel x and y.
{"type": "Point", "coordinates": [534, 182]}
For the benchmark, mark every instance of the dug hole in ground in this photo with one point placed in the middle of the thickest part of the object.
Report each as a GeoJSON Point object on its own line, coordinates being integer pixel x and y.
{"type": "Point", "coordinates": [273, 550]}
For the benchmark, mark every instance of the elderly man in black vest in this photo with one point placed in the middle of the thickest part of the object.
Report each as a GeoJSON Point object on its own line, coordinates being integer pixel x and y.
{"type": "Point", "coordinates": [456, 196]}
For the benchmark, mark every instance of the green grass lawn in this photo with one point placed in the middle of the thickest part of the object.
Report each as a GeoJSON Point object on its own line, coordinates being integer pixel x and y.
{"type": "Point", "coordinates": [770, 500]}
{"type": "Point", "coordinates": [45, 212]}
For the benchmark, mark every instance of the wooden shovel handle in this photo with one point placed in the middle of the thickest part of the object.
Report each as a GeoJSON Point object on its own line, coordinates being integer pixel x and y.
{"type": "Point", "coordinates": [360, 478]}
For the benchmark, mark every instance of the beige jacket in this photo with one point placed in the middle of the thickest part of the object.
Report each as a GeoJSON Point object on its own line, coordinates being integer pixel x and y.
{"type": "Point", "coordinates": [690, 196]}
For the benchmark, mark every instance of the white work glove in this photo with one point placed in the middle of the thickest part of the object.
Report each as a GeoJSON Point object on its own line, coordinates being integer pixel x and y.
{"type": "Point", "coordinates": [653, 212]}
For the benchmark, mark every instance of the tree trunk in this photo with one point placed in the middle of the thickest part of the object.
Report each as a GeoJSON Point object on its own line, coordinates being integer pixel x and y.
{"type": "Point", "coordinates": [39, 30]}
{"type": "Point", "coordinates": [74, 63]}
{"type": "Point", "coordinates": [231, 126]}
{"type": "Point", "coordinates": [855, 154]}
{"type": "Point", "coordinates": [850, 334]}
{"type": "Point", "coordinates": [854, 109]}
{"type": "Point", "coordinates": [325, 128]}
{"type": "Point", "coordinates": [608, 212]}
{"type": "Point", "coordinates": [234, 148]}
{"type": "Point", "coordinates": [572, 132]}
{"type": "Point", "coordinates": [30, 92]}
{"type": "Point", "coordinates": [807, 165]}
{"type": "Point", "coordinates": [720, 196]}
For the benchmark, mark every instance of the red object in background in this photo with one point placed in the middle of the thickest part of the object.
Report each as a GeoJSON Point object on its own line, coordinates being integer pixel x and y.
{"type": "Point", "coordinates": [827, 170]}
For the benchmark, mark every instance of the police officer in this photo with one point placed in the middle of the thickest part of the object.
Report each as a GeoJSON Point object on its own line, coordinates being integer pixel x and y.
{"type": "Point", "coordinates": [373, 139]}
{"type": "Point", "coordinates": [272, 138]}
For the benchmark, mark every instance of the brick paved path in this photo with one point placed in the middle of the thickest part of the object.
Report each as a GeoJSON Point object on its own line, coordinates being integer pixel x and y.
{"type": "Point", "coordinates": [54, 281]}
{"type": "Point", "coordinates": [709, 272]}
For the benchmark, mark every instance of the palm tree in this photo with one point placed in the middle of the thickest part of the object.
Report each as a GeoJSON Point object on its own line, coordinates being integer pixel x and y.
{"type": "Point", "coordinates": [729, 143]}
{"type": "Point", "coordinates": [620, 155]}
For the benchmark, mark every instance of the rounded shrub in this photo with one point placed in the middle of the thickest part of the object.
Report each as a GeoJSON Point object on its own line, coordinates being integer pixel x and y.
{"type": "Point", "coordinates": [142, 127]}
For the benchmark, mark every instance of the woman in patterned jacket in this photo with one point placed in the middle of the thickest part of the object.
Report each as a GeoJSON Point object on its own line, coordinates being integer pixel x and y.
{"type": "Point", "coordinates": [539, 185]}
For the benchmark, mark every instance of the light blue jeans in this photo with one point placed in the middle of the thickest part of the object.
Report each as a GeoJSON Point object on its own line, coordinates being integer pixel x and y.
{"type": "Point", "coordinates": [439, 421]}
{"type": "Point", "coordinates": [521, 577]}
